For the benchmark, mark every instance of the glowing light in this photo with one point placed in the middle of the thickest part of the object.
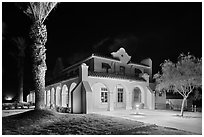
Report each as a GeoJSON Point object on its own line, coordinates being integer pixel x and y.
{"type": "Point", "coordinates": [8, 98]}
{"type": "Point", "coordinates": [137, 106]}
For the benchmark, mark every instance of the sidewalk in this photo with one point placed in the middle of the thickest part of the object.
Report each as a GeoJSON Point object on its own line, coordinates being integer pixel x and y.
{"type": "Point", "coordinates": [192, 121]}
{"type": "Point", "coordinates": [10, 112]}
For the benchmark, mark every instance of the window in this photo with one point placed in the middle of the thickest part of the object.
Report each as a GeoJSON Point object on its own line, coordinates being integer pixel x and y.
{"type": "Point", "coordinates": [122, 69]}
{"type": "Point", "coordinates": [106, 66]}
{"type": "Point", "coordinates": [137, 72]}
{"type": "Point", "coordinates": [104, 95]}
{"type": "Point", "coordinates": [120, 94]}
{"type": "Point", "coordinates": [160, 94]}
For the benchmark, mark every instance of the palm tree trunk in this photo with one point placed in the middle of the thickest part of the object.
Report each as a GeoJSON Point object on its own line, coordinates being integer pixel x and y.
{"type": "Point", "coordinates": [39, 84]}
{"type": "Point", "coordinates": [39, 36]}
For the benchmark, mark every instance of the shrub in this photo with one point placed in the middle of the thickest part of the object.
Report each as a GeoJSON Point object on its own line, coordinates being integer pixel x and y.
{"type": "Point", "coordinates": [62, 109]}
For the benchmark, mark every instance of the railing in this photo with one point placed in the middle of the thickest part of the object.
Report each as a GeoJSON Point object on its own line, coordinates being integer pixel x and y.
{"type": "Point", "coordinates": [114, 75]}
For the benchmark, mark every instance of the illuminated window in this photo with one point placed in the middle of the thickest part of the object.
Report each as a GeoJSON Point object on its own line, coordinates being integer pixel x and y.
{"type": "Point", "coordinates": [104, 95]}
{"type": "Point", "coordinates": [120, 94]}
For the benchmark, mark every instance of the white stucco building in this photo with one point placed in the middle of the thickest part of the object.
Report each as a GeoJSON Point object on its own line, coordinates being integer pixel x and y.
{"type": "Point", "coordinates": [100, 83]}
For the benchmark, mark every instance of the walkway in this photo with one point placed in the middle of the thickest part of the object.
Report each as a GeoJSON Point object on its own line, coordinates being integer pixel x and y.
{"type": "Point", "coordinates": [10, 112]}
{"type": "Point", "coordinates": [192, 121]}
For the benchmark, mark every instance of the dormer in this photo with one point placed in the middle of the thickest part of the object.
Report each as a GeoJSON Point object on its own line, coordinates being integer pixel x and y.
{"type": "Point", "coordinates": [122, 55]}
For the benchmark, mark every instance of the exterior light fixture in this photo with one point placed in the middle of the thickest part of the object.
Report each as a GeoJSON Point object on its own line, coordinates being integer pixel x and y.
{"type": "Point", "coordinates": [8, 98]}
{"type": "Point", "coordinates": [137, 108]}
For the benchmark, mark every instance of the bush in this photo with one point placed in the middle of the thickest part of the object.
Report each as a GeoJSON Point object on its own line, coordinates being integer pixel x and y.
{"type": "Point", "coordinates": [63, 109]}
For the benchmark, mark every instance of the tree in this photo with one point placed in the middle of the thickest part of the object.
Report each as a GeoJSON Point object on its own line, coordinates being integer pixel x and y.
{"type": "Point", "coordinates": [20, 43]}
{"type": "Point", "coordinates": [183, 77]}
{"type": "Point", "coordinates": [38, 12]}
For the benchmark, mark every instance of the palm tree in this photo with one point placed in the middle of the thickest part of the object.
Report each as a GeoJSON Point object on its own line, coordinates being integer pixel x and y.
{"type": "Point", "coordinates": [20, 43]}
{"type": "Point", "coordinates": [38, 12]}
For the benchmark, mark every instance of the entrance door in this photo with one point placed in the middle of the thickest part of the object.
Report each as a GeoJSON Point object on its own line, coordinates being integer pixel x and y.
{"type": "Point", "coordinates": [136, 96]}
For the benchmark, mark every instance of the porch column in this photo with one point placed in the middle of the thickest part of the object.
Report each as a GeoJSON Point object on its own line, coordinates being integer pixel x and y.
{"type": "Point", "coordinates": [55, 97]}
{"type": "Point", "coordinates": [128, 101]}
{"type": "Point", "coordinates": [60, 95]}
{"type": "Point", "coordinates": [45, 98]}
{"type": "Point", "coordinates": [110, 101]}
{"type": "Point", "coordinates": [83, 72]}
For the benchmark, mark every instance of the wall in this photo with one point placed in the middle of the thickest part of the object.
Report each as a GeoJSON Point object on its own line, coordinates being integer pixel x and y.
{"type": "Point", "coordinates": [160, 101]}
{"type": "Point", "coordinates": [90, 63]}
{"type": "Point", "coordinates": [79, 102]}
{"type": "Point", "coordinates": [177, 103]}
{"type": "Point", "coordinates": [115, 66]}
{"type": "Point", "coordinates": [57, 101]}
{"type": "Point", "coordinates": [76, 100]}
{"type": "Point", "coordinates": [111, 84]}
{"type": "Point", "coordinates": [150, 98]}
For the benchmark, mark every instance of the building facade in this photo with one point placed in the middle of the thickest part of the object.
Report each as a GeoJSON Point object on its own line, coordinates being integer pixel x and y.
{"type": "Point", "coordinates": [102, 84]}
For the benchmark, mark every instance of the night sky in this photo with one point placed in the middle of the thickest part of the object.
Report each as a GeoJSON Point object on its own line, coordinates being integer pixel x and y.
{"type": "Point", "coordinates": [76, 30]}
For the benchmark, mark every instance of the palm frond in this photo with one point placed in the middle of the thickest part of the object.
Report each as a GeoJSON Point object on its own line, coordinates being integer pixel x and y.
{"type": "Point", "coordinates": [37, 11]}
{"type": "Point", "coordinates": [49, 7]}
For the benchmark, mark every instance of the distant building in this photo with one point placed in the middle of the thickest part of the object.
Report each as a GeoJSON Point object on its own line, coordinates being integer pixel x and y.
{"type": "Point", "coordinates": [100, 83]}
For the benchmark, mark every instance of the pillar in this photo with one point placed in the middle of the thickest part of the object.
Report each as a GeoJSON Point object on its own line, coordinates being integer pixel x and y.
{"type": "Point", "coordinates": [110, 101]}
{"type": "Point", "coordinates": [83, 72]}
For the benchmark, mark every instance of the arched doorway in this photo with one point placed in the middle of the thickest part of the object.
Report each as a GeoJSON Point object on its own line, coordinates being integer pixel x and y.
{"type": "Point", "coordinates": [48, 98]}
{"type": "Point", "coordinates": [58, 96]}
{"type": "Point", "coordinates": [45, 98]}
{"type": "Point", "coordinates": [64, 96]}
{"type": "Point", "coordinates": [136, 97]}
{"type": "Point", "coordinates": [72, 86]}
{"type": "Point", "coordinates": [52, 97]}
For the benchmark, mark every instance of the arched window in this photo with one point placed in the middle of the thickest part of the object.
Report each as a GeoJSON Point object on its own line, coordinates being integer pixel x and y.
{"type": "Point", "coordinates": [52, 96]}
{"type": "Point", "coordinates": [64, 96]}
{"type": "Point", "coordinates": [58, 96]}
{"type": "Point", "coordinates": [45, 97]}
{"type": "Point", "coordinates": [48, 98]}
{"type": "Point", "coordinates": [137, 72]}
{"type": "Point", "coordinates": [137, 95]}
{"type": "Point", "coordinates": [122, 70]}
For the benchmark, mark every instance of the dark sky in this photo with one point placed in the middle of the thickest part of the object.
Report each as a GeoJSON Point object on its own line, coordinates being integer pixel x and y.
{"type": "Point", "coordinates": [75, 30]}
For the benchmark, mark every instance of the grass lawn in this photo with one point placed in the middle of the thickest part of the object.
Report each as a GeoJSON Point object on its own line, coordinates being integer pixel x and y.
{"type": "Point", "coordinates": [48, 122]}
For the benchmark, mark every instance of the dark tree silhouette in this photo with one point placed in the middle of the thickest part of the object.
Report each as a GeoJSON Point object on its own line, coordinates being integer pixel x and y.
{"type": "Point", "coordinates": [21, 44]}
{"type": "Point", "coordinates": [58, 67]}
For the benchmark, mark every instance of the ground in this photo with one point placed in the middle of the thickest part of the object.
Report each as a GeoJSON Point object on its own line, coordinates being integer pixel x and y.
{"type": "Point", "coordinates": [191, 121]}
{"type": "Point", "coordinates": [49, 122]}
